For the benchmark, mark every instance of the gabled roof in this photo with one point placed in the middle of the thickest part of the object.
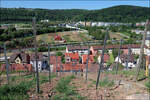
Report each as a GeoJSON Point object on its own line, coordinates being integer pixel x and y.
{"type": "Point", "coordinates": [85, 57]}
{"type": "Point", "coordinates": [23, 56]}
{"type": "Point", "coordinates": [72, 48]}
{"type": "Point", "coordinates": [72, 55]}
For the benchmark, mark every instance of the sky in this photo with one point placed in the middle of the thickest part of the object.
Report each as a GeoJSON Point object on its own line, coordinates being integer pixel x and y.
{"type": "Point", "coordinates": [70, 4]}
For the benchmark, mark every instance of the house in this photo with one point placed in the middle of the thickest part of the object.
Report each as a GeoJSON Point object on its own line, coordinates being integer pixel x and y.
{"type": "Point", "coordinates": [20, 58]}
{"type": "Point", "coordinates": [135, 48]}
{"type": "Point", "coordinates": [105, 59]}
{"type": "Point", "coordinates": [72, 57]}
{"type": "Point", "coordinates": [39, 61]}
{"type": "Point", "coordinates": [17, 67]}
{"type": "Point", "coordinates": [85, 57]}
{"type": "Point", "coordinates": [58, 38]}
{"type": "Point", "coordinates": [45, 20]}
{"type": "Point", "coordinates": [124, 58]}
{"type": "Point", "coordinates": [2, 59]}
{"type": "Point", "coordinates": [55, 61]}
{"type": "Point", "coordinates": [79, 49]}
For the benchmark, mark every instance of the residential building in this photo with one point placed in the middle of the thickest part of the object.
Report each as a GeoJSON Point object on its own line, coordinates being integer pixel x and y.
{"type": "Point", "coordinates": [58, 38]}
{"type": "Point", "coordinates": [135, 48]}
{"type": "Point", "coordinates": [39, 61]}
{"type": "Point", "coordinates": [72, 57]}
{"type": "Point", "coordinates": [90, 59]}
{"type": "Point", "coordinates": [127, 60]}
{"type": "Point", "coordinates": [105, 59]}
{"type": "Point", "coordinates": [20, 58]}
{"type": "Point", "coordinates": [55, 61]}
{"type": "Point", "coordinates": [78, 49]}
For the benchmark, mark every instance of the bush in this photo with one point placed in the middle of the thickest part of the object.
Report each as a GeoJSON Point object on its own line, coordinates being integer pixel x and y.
{"type": "Point", "coordinates": [106, 82]}
{"type": "Point", "coordinates": [66, 91]}
{"type": "Point", "coordinates": [15, 92]}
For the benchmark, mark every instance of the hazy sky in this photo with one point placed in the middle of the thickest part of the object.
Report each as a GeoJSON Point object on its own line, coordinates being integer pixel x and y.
{"type": "Point", "coordinates": [70, 4]}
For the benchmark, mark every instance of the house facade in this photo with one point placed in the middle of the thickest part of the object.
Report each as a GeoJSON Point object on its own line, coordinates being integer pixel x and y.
{"type": "Point", "coordinates": [39, 61]}
{"type": "Point", "coordinates": [55, 61]}
{"type": "Point", "coordinates": [135, 48]}
{"type": "Point", "coordinates": [20, 58]}
{"type": "Point", "coordinates": [105, 59]}
{"type": "Point", "coordinates": [126, 60]}
{"type": "Point", "coordinates": [90, 59]}
{"type": "Point", "coordinates": [72, 57]}
{"type": "Point", "coordinates": [77, 49]}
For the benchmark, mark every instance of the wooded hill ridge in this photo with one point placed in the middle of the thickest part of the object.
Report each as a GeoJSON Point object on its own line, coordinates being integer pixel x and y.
{"type": "Point", "coordinates": [122, 13]}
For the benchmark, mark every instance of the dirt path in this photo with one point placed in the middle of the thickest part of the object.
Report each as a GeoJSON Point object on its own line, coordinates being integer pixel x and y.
{"type": "Point", "coordinates": [123, 91]}
{"type": "Point", "coordinates": [126, 90]}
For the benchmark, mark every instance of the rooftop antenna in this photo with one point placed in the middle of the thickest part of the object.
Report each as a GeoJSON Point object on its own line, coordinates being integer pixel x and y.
{"type": "Point", "coordinates": [35, 46]}
{"type": "Point", "coordinates": [102, 58]}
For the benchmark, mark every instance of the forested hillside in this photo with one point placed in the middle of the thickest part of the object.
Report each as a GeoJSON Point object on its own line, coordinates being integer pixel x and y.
{"type": "Point", "coordinates": [121, 13]}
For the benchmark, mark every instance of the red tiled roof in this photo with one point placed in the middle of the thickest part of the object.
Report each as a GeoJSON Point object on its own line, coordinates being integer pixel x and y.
{"type": "Point", "coordinates": [117, 46]}
{"type": "Point", "coordinates": [72, 55]}
{"type": "Point", "coordinates": [106, 57]}
{"type": "Point", "coordinates": [70, 67]}
{"type": "Point", "coordinates": [71, 48]}
{"type": "Point", "coordinates": [23, 56]}
{"type": "Point", "coordinates": [17, 67]}
{"type": "Point", "coordinates": [85, 57]}
{"type": "Point", "coordinates": [58, 37]}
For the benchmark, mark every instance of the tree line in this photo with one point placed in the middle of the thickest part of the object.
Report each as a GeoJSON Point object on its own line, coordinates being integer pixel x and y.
{"type": "Point", "coordinates": [11, 33]}
{"type": "Point", "coordinates": [123, 13]}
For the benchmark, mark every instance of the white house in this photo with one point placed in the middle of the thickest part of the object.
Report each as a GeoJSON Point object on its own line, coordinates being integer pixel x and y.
{"type": "Point", "coordinates": [39, 61]}
{"type": "Point", "coordinates": [123, 59]}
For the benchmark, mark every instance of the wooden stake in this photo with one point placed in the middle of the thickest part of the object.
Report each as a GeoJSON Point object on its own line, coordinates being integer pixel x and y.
{"type": "Point", "coordinates": [147, 25]}
{"type": "Point", "coordinates": [7, 65]}
{"type": "Point", "coordinates": [49, 63]}
{"type": "Point", "coordinates": [35, 46]}
{"type": "Point", "coordinates": [87, 61]}
{"type": "Point", "coordinates": [102, 58]}
{"type": "Point", "coordinates": [117, 64]}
